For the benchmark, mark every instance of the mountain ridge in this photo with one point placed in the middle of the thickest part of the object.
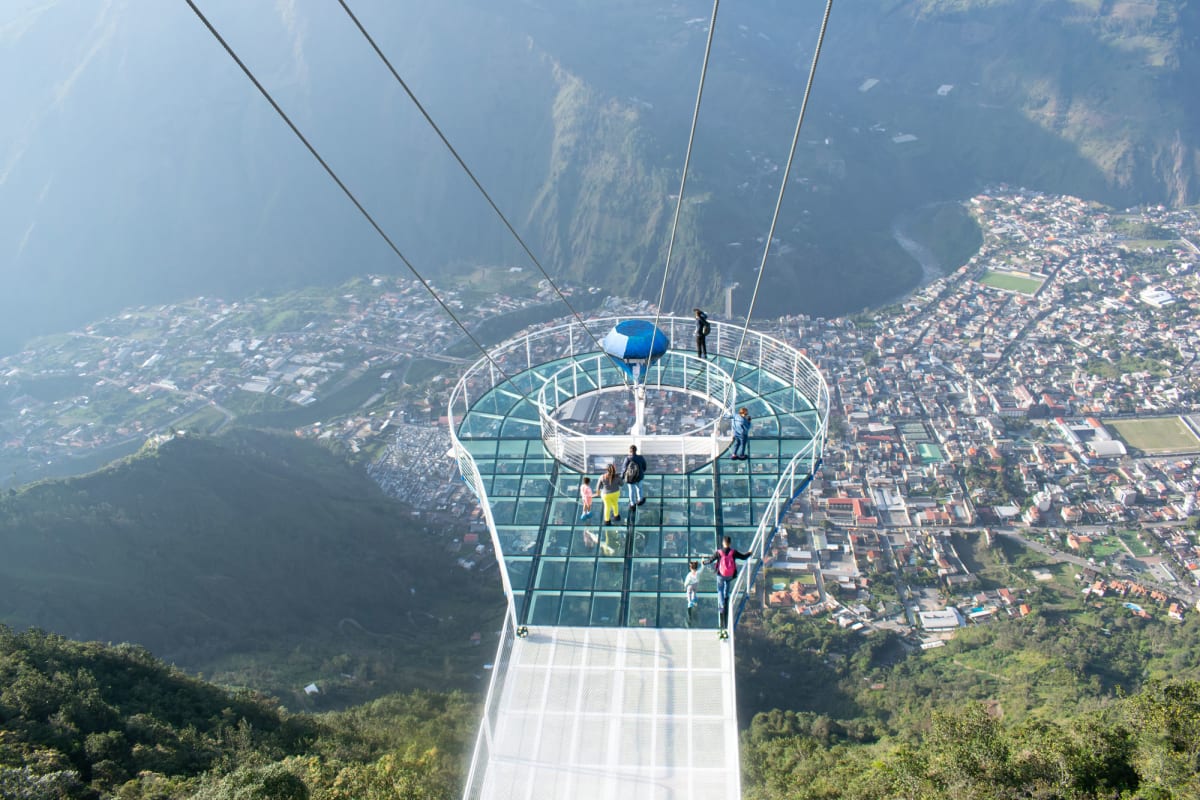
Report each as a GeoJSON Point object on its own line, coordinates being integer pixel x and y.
{"type": "Point", "coordinates": [212, 552]}
{"type": "Point", "coordinates": [581, 147]}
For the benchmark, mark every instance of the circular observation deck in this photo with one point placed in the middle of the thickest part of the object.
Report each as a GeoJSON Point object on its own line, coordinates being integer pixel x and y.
{"type": "Point", "coordinates": [524, 445]}
{"type": "Point", "coordinates": [589, 413]}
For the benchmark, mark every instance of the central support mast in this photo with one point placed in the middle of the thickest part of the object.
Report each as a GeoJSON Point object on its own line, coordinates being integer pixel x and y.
{"type": "Point", "coordinates": [639, 409]}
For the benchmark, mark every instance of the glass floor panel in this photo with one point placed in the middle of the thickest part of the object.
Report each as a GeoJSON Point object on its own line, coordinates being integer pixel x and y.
{"type": "Point", "coordinates": [568, 569]}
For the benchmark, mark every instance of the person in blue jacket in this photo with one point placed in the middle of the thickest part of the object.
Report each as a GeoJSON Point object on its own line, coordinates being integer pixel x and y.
{"type": "Point", "coordinates": [741, 435]}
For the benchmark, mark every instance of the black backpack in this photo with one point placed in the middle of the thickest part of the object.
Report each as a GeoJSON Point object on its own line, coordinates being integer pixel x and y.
{"type": "Point", "coordinates": [704, 327]}
{"type": "Point", "coordinates": [633, 472]}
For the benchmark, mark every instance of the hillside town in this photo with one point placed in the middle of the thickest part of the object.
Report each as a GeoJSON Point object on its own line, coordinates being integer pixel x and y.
{"type": "Point", "coordinates": [1047, 392]}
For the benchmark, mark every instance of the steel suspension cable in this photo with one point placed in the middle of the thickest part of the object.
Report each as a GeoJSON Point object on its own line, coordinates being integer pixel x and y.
{"type": "Point", "coordinates": [436, 129]}
{"type": "Point", "coordinates": [687, 159]}
{"type": "Point", "coordinates": [812, 71]}
{"type": "Point", "coordinates": [345, 190]}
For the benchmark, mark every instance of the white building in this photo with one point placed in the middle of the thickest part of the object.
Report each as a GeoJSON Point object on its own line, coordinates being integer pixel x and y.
{"type": "Point", "coordinates": [945, 620]}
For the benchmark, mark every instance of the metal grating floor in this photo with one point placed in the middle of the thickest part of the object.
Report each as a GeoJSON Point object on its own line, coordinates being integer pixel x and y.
{"type": "Point", "coordinates": [616, 714]}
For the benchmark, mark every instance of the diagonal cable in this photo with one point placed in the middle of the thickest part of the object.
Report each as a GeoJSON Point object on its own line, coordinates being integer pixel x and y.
{"type": "Point", "coordinates": [436, 129]}
{"type": "Point", "coordinates": [812, 71]}
{"type": "Point", "coordinates": [283, 115]}
{"type": "Point", "coordinates": [687, 159]}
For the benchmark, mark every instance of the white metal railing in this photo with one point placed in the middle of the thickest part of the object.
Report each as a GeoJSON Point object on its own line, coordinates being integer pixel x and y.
{"type": "Point", "coordinates": [485, 739]}
{"type": "Point", "coordinates": [795, 479]}
{"type": "Point", "coordinates": [679, 451]}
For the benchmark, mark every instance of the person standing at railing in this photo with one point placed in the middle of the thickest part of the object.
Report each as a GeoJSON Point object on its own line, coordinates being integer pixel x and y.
{"type": "Point", "coordinates": [702, 329]}
{"type": "Point", "coordinates": [741, 435]}
{"type": "Point", "coordinates": [726, 559]}
{"type": "Point", "coordinates": [610, 494]}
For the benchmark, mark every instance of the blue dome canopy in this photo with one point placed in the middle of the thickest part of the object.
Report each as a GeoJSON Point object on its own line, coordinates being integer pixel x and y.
{"type": "Point", "coordinates": [635, 340]}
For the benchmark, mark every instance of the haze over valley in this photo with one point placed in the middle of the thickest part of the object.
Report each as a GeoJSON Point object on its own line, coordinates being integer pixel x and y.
{"type": "Point", "coordinates": [140, 166]}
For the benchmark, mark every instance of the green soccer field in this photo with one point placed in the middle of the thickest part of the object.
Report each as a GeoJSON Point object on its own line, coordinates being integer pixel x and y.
{"type": "Point", "coordinates": [1159, 436]}
{"type": "Point", "coordinates": [1010, 282]}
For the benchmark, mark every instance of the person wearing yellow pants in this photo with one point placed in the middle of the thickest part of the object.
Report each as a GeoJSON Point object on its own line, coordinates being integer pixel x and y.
{"type": "Point", "coordinates": [610, 492]}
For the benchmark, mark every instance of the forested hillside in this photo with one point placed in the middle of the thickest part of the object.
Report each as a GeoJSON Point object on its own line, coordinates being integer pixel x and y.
{"type": "Point", "coordinates": [1078, 699]}
{"type": "Point", "coordinates": [259, 558]}
{"type": "Point", "coordinates": [89, 720]}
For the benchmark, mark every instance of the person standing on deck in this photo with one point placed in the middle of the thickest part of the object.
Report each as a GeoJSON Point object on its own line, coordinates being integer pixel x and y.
{"type": "Point", "coordinates": [691, 583]}
{"type": "Point", "coordinates": [610, 493]}
{"type": "Point", "coordinates": [741, 435]}
{"type": "Point", "coordinates": [726, 558]}
{"type": "Point", "coordinates": [632, 471]}
{"type": "Point", "coordinates": [702, 329]}
{"type": "Point", "coordinates": [586, 494]}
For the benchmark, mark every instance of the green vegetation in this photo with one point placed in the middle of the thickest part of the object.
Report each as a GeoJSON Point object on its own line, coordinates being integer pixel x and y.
{"type": "Point", "coordinates": [1130, 538]}
{"type": "Point", "coordinates": [1010, 282]}
{"type": "Point", "coordinates": [1143, 746]}
{"type": "Point", "coordinates": [1160, 436]}
{"type": "Point", "coordinates": [1124, 365]}
{"type": "Point", "coordinates": [89, 721]}
{"type": "Point", "coordinates": [263, 559]}
{"type": "Point", "coordinates": [482, 282]}
{"type": "Point", "coordinates": [1140, 230]}
{"type": "Point", "coordinates": [999, 477]}
{"type": "Point", "coordinates": [356, 389]}
{"type": "Point", "coordinates": [204, 420]}
{"type": "Point", "coordinates": [1105, 546]}
{"type": "Point", "coordinates": [1063, 696]}
{"type": "Point", "coordinates": [422, 369]}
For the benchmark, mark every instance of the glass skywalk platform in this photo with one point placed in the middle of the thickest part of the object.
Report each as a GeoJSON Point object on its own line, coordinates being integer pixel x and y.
{"type": "Point", "coordinates": [604, 684]}
{"type": "Point", "coordinates": [574, 572]}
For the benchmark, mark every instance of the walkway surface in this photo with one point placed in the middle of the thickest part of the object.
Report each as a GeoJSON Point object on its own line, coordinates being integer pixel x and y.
{"type": "Point", "coordinates": [616, 714]}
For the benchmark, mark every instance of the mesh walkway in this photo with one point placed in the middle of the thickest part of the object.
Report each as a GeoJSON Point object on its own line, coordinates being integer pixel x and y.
{"type": "Point", "coordinates": [616, 714]}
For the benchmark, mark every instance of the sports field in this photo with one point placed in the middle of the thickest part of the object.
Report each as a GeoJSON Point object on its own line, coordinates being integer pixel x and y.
{"type": "Point", "coordinates": [1010, 282]}
{"type": "Point", "coordinates": [1158, 436]}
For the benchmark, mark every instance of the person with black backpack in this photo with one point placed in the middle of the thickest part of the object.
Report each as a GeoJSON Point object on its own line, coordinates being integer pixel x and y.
{"type": "Point", "coordinates": [726, 558]}
{"type": "Point", "coordinates": [632, 471]}
{"type": "Point", "coordinates": [702, 329]}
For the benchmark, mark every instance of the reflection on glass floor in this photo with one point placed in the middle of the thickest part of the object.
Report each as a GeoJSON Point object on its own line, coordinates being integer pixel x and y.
{"type": "Point", "coordinates": [571, 572]}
